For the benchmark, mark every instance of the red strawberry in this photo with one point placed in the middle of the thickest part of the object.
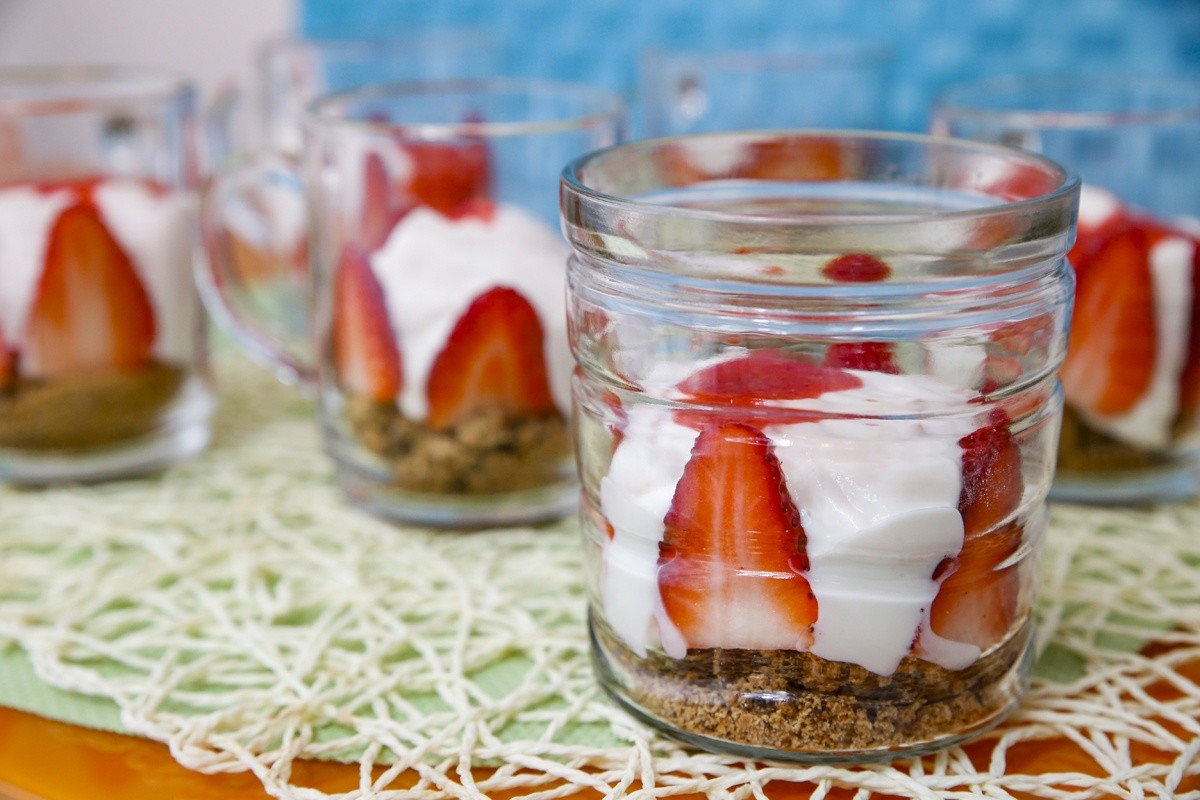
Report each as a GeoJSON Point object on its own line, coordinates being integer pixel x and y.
{"type": "Point", "coordinates": [1113, 335]}
{"type": "Point", "coordinates": [796, 158]}
{"type": "Point", "coordinates": [365, 354]}
{"type": "Point", "coordinates": [992, 485]}
{"type": "Point", "coordinates": [753, 382]}
{"type": "Point", "coordinates": [90, 310]}
{"type": "Point", "coordinates": [380, 210]}
{"type": "Point", "coordinates": [856, 268]}
{"type": "Point", "coordinates": [448, 176]}
{"type": "Point", "coordinates": [869, 356]}
{"type": "Point", "coordinates": [977, 602]}
{"type": "Point", "coordinates": [732, 555]}
{"type": "Point", "coordinates": [1101, 217]}
{"type": "Point", "coordinates": [8, 363]}
{"type": "Point", "coordinates": [1189, 396]}
{"type": "Point", "coordinates": [494, 357]}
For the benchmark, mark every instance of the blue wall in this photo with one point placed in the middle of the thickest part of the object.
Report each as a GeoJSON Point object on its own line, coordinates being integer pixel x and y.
{"type": "Point", "coordinates": [935, 41]}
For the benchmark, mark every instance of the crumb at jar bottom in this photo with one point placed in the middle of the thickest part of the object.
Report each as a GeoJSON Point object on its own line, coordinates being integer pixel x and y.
{"type": "Point", "coordinates": [486, 452]}
{"type": "Point", "coordinates": [797, 706]}
{"type": "Point", "coordinates": [88, 410]}
{"type": "Point", "coordinates": [1095, 467]}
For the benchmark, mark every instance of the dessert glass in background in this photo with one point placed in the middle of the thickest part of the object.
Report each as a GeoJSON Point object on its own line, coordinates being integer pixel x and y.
{"type": "Point", "coordinates": [442, 361]}
{"type": "Point", "coordinates": [826, 85]}
{"type": "Point", "coordinates": [1131, 428]}
{"type": "Point", "coordinates": [816, 413]}
{"type": "Point", "coordinates": [102, 347]}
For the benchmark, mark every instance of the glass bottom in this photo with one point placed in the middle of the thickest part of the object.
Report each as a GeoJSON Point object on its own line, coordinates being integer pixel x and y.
{"type": "Point", "coordinates": [182, 433]}
{"type": "Point", "coordinates": [762, 705]}
{"type": "Point", "coordinates": [1162, 484]}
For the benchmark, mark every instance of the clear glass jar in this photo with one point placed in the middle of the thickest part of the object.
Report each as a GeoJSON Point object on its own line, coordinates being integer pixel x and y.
{"type": "Point", "coordinates": [1131, 381]}
{"type": "Point", "coordinates": [816, 416]}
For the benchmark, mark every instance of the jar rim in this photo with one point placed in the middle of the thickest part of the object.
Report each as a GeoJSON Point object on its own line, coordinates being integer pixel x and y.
{"type": "Point", "coordinates": [596, 108]}
{"type": "Point", "coordinates": [63, 89]}
{"type": "Point", "coordinates": [575, 185]}
{"type": "Point", "coordinates": [1068, 101]}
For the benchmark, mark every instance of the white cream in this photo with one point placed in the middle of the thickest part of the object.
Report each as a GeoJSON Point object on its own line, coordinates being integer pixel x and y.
{"type": "Point", "coordinates": [1097, 206]}
{"type": "Point", "coordinates": [878, 500]}
{"type": "Point", "coordinates": [152, 227]}
{"type": "Point", "coordinates": [1148, 423]}
{"type": "Point", "coordinates": [26, 215]}
{"type": "Point", "coordinates": [155, 230]}
{"type": "Point", "coordinates": [432, 267]}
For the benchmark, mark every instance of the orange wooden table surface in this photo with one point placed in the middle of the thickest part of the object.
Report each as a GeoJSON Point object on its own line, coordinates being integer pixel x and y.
{"type": "Point", "coordinates": [45, 760]}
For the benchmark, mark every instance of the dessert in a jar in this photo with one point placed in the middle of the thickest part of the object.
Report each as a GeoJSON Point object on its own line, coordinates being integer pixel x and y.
{"type": "Point", "coordinates": [101, 336]}
{"type": "Point", "coordinates": [816, 417]}
{"type": "Point", "coordinates": [449, 337]}
{"type": "Point", "coordinates": [442, 365]}
{"type": "Point", "coordinates": [1131, 380]}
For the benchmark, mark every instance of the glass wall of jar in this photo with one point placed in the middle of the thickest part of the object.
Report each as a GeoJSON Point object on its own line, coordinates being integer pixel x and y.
{"type": "Point", "coordinates": [815, 417]}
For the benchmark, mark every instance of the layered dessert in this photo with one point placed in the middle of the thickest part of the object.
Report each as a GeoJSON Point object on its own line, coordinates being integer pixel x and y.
{"type": "Point", "coordinates": [814, 553]}
{"type": "Point", "coordinates": [1132, 374]}
{"type": "Point", "coordinates": [449, 333]}
{"type": "Point", "coordinates": [98, 315]}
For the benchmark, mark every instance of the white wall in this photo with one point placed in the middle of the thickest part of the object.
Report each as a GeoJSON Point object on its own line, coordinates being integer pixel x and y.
{"type": "Point", "coordinates": [211, 40]}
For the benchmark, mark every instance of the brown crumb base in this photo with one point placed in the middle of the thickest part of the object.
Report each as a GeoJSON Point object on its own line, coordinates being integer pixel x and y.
{"type": "Point", "coordinates": [1083, 449]}
{"type": "Point", "coordinates": [89, 410]}
{"type": "Point", "coordinates": [798, 703]}
{"type": "Point", "coordinates": [484, 454]}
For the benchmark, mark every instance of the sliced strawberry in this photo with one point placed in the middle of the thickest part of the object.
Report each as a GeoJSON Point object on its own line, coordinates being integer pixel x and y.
{"type": "Point", "coordinates": [856, 268]}
{"type": "Point", "coordinates": [448, 176]}
{"type": "Point", "coordinates": [733, 553]}
{"type": "Point", "coordinates": [90, 309]}
{"type": "Point", "coordinates": [868, 356]}
{"type": "Point", "coordinates": [992, 485]}
{"type": "Point", "coordinates": [977, 602]}
{"type": "Point", "coordinates": [494, 357]}
{"type": "Point", "coordinates": [764, 375]}
{"type": "Point", "coordinates": [366, 357]}
{"type": "Point", "coordinates": [795, 158]}
{"type": "Point", "coordinates": [8, 363]}
{"type": "Point", "coordinates": [380, 210]}
{"type": "Point", "coordinates": [1101, 216]}
{"type": "Point", "coordinates": [1189, 395]}
{"type": "Point", "coordinates": [1114, 332]}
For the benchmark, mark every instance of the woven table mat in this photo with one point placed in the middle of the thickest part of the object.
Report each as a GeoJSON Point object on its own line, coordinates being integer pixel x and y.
{"type": "Point", "coordinates": [237, 610]}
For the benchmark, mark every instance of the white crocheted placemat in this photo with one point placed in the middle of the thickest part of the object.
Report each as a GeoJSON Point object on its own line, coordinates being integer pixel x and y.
{"type": "Point", "coordinates": [236, 609]}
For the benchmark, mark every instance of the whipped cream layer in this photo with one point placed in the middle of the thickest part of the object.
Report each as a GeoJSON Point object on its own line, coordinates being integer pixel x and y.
{"type": "Point", "coordinates": [432, 267]}
{"type": "Point", "coordinates": [152, 226]}
{"type": "Point", "coordinates": [878, 500]}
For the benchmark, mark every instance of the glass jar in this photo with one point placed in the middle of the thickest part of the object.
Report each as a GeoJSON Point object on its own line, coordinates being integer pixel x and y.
{"type": "Point", "coordinates": [1131, 381]}
{"type": "Point", "coordinates": [816, 411]}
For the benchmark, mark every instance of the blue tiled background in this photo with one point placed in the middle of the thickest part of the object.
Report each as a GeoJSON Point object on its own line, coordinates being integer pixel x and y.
{"type": "Point", "coordinates": [935, 41]}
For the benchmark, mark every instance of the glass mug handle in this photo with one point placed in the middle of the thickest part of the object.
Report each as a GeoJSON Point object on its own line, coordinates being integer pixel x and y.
{"type": "Point", "coordinates": [253, 269]}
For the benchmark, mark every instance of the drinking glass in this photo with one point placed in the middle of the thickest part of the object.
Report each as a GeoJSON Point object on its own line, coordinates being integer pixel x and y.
{"type": "Point", "coordinates": [437, 285]}
{"type": "Point", "coordinates": [830, 85]}
{"type": "Point", "coordinates": [103, 366]}
{"type": "Point", "coordinates": [1131, 430]}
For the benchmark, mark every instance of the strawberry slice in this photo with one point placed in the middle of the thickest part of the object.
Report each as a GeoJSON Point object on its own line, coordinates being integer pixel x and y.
{"type": "Point", "coordinates": [856, 268]}
{"type": "Point", "coordinates": [764, 375]}
{"type": "Point", "coordinates": [1189, 393]}
{"type": "Point", "coordinates": [867, 356]}
{"type": "Point", "coordinates": [795, 158]}
{"type": "Point", "coordinates": [1110, 362]}
{"type": "Point", "coordinates": [90, 309]}
{"type": "Point", "coordinates": [448, 176]}
{"type": "Point", "coordinates": [494, 357]}
{"type": "Point", "coordinates": [8, 363]}
{"type": "Point", "coordinates": [366, 357]}
{"type": "Point", "coordinates": [380, 210]}
{"type": "Point", "coordinates": [733, 552]}
{"type": "Point", "coordinates": [992, 486]}
{"type": "Point", "coordinates": [977, 601]}
{"type": "Point", "coordinates": [1101, 216]}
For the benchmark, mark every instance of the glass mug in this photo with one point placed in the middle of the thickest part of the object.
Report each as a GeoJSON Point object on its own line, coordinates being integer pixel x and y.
{"type": "Point", "coordinates": [442, 364]}
{"type": "Point", "coordinates": [103, 367]}
{"type": "Point", "coordinates": [816, 85]}
{"type": "Point", "coordinates": [816, 413]}
{"type": "Point", "coordinates": [1131, 430]}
